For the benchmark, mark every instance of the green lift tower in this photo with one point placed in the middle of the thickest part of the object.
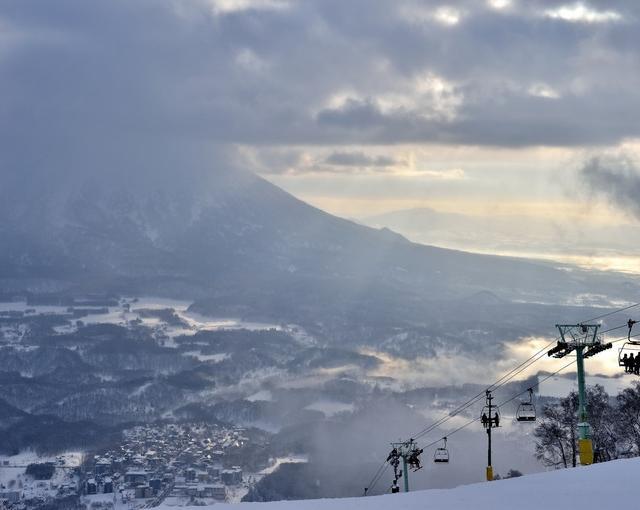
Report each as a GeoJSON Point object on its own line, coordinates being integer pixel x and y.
{"type": "Point", "coordinates": [584, 340]}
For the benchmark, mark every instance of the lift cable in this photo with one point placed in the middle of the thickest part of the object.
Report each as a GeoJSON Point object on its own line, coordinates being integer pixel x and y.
{"type": "Point", "coordinates": [450, 433]}
{"type": "Point", "coordinates": [612, 312]}
{"type": "Point", "coordinates": [378, 478]}
{"type": "Point", "coordinates": [381, 470]}
{"type": "Point", "coordinates": [501, 382]}
{"type": "Point", "coordinates": [507, 377]}
{"type": "Point", "coordinates": [525, 391]}
{"type": "Point", "coordinates": [497, 384]}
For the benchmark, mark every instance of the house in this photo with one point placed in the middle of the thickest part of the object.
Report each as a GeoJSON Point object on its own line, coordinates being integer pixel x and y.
{"type": "Point", "coordinates": [102, 467]}
{"type": "Point", "coordinates": [143, 491]}
{"type": "Point", "coordinates": [231, 476]}
{"type": "Point", "coordinates": [155, 484]}
{"type": "Point", "coordinates": [92, 486]}
{"type": "Point", "coordinates": [135, 477]}
{"type": "Point", "coordinates": [9, 496]}
{"type": "Point", "coordinates": [218, 491]}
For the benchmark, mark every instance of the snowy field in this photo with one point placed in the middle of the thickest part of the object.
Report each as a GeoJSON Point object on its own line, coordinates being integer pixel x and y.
{"type": "Point", "coordinates": [130, 310]}
{"type": "Point", "coordinates": [596, 487]}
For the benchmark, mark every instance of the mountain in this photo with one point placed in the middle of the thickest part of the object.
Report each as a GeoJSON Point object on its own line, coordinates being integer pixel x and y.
{"type": "Point", "coordinates": [238, 244]}
{"type": "Point", "coordinates": [588, 488]}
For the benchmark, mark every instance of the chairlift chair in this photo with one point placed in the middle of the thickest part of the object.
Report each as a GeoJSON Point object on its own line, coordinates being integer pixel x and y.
{"type": "Point", "coordinates": [495, 416]}
{"type": "Point", "coordinates": [526, 411]}
{"type": "Point", "coordinates": [441, 454]}
{"type": "Point", "coordinates": [628, 348]}
{"type": "Point", "coordinates": [631, 346]}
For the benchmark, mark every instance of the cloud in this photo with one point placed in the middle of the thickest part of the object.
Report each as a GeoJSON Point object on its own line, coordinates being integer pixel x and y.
{"type": "Point", "coordinates": [616, 178]}
{"type": "Point", "coordinates": [359, 159]}
{"type": "Point", "coordinates": [314, 160]}
{"type": "Point", "coordinates": [581, 13]}
{"type": "Point", "coordinates": [230, 6]}
{"type": "Point", "coordinates": [144, 86]}
{"type": "Point", "coordinates": [543, 90]}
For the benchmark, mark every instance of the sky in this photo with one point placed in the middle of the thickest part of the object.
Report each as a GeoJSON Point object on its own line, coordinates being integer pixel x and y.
{"type": "Point", "coordinates": [526, 110]}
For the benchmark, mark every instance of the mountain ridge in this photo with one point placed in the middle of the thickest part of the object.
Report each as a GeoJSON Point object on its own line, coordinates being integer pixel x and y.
{"type": "Point", "coordinates": [233, 238]}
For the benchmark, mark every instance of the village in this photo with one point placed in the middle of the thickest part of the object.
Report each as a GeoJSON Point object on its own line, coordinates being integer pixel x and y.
{"type": "Point", "coordinates": [174, 464]}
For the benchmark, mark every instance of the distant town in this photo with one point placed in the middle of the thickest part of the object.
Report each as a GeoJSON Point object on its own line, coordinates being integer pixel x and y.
{"type": "Point", "coordinates": [174, 464]}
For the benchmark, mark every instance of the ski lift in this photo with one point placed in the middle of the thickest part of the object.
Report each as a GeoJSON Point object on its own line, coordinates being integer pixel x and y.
{"type": "Point", "coordinates": [441, 454]}
{"type": "Point", "coordinates": [526, 411]}
{"type": "Point", "coordinates": [630, 348]}
{"type": "Point", "coordinates": [413, 458]}
{"type": "Point", "coordinates": [492, 410]}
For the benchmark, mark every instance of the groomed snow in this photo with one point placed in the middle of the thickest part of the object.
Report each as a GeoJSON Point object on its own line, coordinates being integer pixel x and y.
{"type": "Point", "coordinates": [599, 487]}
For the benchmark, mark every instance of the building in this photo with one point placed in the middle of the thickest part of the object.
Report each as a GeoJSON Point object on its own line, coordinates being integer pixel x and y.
{"type": "Point", "coordinates": [155, 484]}
{"type": "Point", "coordinates": [102, 467]}
{"type": "Point", "coordinates": [219, 491]}
{"type": "Point", "coordinates": [143, 491]}
{"type": "Point", "coordinates": [9, 496]}
{"type": "Point", "coordinates": [92, 486]}
{"type": "Point", "coordinates": [231, 476]}
{"type": "Point", "coordinates": [135, 477]}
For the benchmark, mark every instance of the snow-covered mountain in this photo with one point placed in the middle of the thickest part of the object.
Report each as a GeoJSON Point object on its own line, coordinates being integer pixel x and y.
{"type": "Point", "coordinates": [237, 239]}
{"type": "Point", "coordinates": [609, 485]}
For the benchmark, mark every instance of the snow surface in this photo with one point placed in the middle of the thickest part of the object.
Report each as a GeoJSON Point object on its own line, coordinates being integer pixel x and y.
{"type": "Point", "coordinates": [597, 487]}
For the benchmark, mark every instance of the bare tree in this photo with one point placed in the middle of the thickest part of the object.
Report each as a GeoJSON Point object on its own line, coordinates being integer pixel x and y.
{"type": "Point", "coordinates": [556, 435]}
{"type": "Point", "coordinates": [628, 422]}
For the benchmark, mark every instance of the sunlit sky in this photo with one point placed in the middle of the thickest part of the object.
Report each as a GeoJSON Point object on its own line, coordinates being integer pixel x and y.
{"type": "Point", "coordinates": [537, 181]}
{"type": "Point", "coordinates": [523, 110]}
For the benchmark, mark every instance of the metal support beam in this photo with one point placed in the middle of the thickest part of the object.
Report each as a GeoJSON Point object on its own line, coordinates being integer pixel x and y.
{"type": "Point", "coordinates": [489, 406]}
{"type": "Point", "coordinates": [405, 451]}
{"type": "Point", "coordinates": [405, 473]}
{"type": "Point", "coordinates": [579, 337]}
{"type": "Point", "coordinates": [585, 446]}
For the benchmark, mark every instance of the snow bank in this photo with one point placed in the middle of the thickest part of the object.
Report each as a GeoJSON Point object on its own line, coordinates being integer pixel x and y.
{"type": "Point", "coordinates": [587, 488]}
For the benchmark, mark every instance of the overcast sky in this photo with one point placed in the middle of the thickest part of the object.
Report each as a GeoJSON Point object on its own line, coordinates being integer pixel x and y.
{"type": "Point", "coordinates": [358, 106]}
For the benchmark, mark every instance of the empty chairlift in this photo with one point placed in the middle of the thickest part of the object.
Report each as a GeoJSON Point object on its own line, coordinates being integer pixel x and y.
{"type": "Point", "coordinates": [526, 411]}
{"type": "Point", "coordinates": [441, 454]}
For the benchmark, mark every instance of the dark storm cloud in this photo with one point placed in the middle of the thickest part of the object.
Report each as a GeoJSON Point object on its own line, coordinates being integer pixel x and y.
{"type": "Point", "coordinates": [617, 178]}
{"type": "Point", "coordinates": [176, 83]}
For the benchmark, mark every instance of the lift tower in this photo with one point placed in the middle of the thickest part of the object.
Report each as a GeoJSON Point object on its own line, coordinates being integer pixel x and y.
{"type": "Point", "coordinates": [584, 340]}
{"type": "Point", "coordinates": [409, 452]}
{"type": "Point", "coordinates": [490, 419]}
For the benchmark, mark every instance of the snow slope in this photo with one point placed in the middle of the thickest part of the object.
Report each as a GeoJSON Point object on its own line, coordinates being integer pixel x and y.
{"type": "Point", "coordinates": [587, 488]}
